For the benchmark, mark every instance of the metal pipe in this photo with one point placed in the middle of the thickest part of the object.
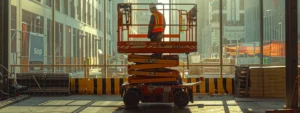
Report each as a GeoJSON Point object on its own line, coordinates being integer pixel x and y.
{"type": "Point", "coordinates": [163, 38]}
{"type": "Point", "coordinates": [180, 21]}
{"type": "Point", "coordinates": [186, 35]}
{"type": "Point", "coordinates": [160, 24]}
{"type": "Point", "coordinates": [120, 20]}
{"type": "Point", "coordinates": [261, 33]}
{"type": "Point", "coordinates": [196, 35]}
{"type": "Point", "coordinates": [53, 36]}
{"type": "Point", "coordinates": [66, 65]}
{"type": "Point", "coordinates": [105, 41]}
{"type": "Point", "coordinates": [157, 9]}
{"type": "Point", "coordinates": [170, 21]}
{"type": "Point", "coordinates": [82, 65]}
{"type": "Point", "coordinates": [190, 32]}
{"type": "Point", "coordinates": [161, 4]}
{"type": "Point", "coordinates": [221, 39]}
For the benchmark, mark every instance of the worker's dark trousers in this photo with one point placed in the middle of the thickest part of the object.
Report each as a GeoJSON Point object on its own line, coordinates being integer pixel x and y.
{"type": "Point", "coordinates": [156, 37]}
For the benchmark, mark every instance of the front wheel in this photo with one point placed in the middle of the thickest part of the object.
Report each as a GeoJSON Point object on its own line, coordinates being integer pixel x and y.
{"type": "Point", "coordinates": [131, 98]}
{"type": "Point", "coordinates": [181, 99]}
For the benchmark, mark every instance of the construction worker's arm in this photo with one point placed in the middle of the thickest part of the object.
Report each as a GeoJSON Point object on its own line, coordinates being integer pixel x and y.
{"type": "Point", "coordinates": [150, 28]}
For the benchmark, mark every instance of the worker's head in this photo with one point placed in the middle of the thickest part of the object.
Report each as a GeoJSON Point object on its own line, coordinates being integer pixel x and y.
{"type": "Point", "coordinates": [152, 7]}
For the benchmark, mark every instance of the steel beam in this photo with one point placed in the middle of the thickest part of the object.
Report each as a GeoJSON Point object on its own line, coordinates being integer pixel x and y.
{"type": "Point", "coordinates": [221, 38]}
{"type": "Point", "coordinates": [105, 38]}
{"type": "Point", "coordinates": [53, 36]}
{"type": "Point", "coordinates": [4, 36]}
{"type": "Point", "coordinates": [1, 33]}
{"type": "Point", "coordinates": [261, 32]}
{"type": "Point", "coordinates": [291, 53]}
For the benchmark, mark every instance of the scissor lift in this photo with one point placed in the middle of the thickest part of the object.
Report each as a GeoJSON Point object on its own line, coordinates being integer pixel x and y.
{"type": "Point", "coordinates": [150, 80]}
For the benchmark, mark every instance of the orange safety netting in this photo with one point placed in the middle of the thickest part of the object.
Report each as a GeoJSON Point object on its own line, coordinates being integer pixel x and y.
{"type": "Point", "coordinates": [275, 49]}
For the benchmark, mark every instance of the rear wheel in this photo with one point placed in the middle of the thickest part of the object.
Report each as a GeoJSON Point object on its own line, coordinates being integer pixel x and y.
{"type": "Point", "coordinates": [181, 99]}
{"type": "Point", "coordinates": [131, 98]}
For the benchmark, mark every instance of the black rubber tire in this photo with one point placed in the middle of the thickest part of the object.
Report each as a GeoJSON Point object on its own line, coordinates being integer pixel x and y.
{"type": "Point", "coordinates": [181, 99]}
{"type": "Point", "coordinates": [131, 99]}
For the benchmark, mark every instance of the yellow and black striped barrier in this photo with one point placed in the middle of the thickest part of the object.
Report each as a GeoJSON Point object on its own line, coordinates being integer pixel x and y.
{"type": "Point", "coordinates": [112, 86]}
{"type": "Point", "coordinates": [212, 85]}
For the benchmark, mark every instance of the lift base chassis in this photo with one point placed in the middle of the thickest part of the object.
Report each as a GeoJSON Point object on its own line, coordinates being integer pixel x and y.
{"type": "Point", "coordinates": [180, 94]}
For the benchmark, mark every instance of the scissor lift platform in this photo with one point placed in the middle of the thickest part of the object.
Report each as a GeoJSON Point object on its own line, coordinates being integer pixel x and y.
{"type": "Point", "coordinates": [150, 80]}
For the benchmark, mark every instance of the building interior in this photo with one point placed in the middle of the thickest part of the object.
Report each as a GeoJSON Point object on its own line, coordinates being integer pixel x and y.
{"type": "Point", "coordinates": [231, 56]}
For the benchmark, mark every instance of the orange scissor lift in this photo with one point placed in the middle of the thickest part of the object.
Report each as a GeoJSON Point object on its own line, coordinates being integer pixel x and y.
{"type": "Point", "coordinates": [150, 80]}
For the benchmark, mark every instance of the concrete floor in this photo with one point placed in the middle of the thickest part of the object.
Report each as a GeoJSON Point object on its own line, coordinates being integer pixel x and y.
{"type": "Point", "coordinates": [114, 104]}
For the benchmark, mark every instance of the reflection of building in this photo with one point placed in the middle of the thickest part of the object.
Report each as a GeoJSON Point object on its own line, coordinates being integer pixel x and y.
{"type": "Point", "coordinates": [79, 29]}
{"type": "Point", "coordinates": [233, 25]}
{"type": "Point", "coordinates": [200, 22]}
{"type": "Point", "coordinates": [112, 5]}
{"type": "Point", "coordinates": [206, 43]}
{"type": "Point", "coordinates": [274, 27]}
{"type": "Point", "coordinates": [252, 20]}
{"type": "Point", "coordinates": [274, 20]}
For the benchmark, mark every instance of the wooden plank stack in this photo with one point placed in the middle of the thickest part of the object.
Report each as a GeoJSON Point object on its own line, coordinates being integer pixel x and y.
{"type": "Point", "coordinates": [256, 82]}
{"type": "Point", "coordinates": [274, 82]}
{"type": "Point", "coordinates": [267, 82]}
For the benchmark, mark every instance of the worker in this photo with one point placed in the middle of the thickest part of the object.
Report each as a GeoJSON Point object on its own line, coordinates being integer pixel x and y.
{"type": "Point", "coordinates": [156, 27]}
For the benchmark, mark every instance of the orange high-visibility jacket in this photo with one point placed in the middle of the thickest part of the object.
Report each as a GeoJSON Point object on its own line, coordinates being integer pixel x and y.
{"type": "Point", "coordinates": [158, 24]}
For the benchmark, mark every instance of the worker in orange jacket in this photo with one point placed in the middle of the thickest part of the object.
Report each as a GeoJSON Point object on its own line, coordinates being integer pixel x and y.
{"type": "Point", "coordinates": [156, 27]}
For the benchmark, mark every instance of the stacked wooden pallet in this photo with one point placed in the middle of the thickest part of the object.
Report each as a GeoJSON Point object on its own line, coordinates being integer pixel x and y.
{"type": "Point", "coordinates": [274, 82]}
{"type": "Point", "coordinates": [241, 81]}
{"type": "Point", "coordinates": [256, 82]}
{"type": "Point", "coordinates": [267, 82]}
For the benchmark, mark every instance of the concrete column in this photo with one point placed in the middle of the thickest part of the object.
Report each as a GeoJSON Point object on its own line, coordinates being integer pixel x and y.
{"type": "Point", "coordinates": [291, 53]}
{"type": "Point", "coordinates": [7, 56]}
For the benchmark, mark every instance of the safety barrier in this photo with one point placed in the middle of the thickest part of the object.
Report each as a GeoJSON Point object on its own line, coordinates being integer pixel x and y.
{"type": "Point", "coordinates": [111, 86]}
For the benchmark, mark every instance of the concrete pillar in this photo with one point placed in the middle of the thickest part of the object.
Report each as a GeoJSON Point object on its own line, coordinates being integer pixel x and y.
{"type": "Point", "coordinates": [291, 53]}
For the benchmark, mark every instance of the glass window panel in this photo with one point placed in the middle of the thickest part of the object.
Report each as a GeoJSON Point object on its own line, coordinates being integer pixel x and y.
{"type": "Point", "coordinates": [274, 28]}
